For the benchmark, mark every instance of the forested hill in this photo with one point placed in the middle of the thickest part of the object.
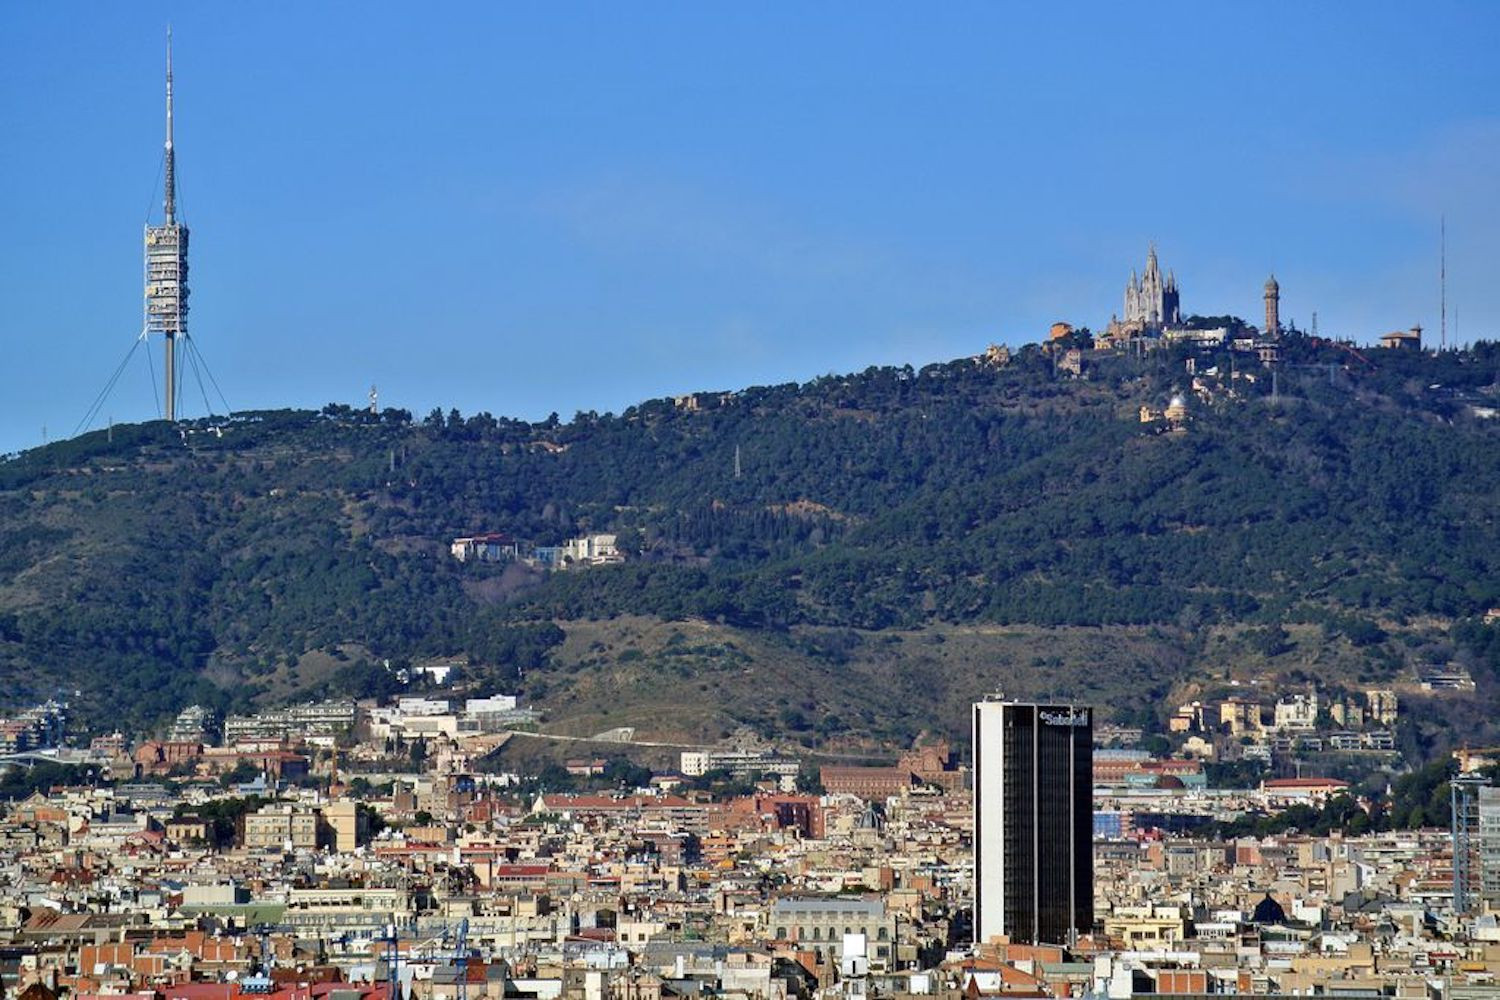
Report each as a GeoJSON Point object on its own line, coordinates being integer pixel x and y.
{"type": "Point", "coordinates": [150, 566]}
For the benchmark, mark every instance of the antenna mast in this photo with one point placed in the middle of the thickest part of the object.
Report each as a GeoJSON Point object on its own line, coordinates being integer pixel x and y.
{"type": "Point", "coordinates": [1443, 284]}
{"type": "Point", "coordinates": [170, 200]}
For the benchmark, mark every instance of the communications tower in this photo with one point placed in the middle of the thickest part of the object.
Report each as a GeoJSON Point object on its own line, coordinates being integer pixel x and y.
{"type": "Point", "coordinates": [166, 299]}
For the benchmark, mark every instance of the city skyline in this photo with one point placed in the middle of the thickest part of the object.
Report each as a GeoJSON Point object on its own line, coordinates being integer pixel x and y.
{"type": "Point", "coordinates": [680, 502]}
{"type": "Point", "coordinates": [724, 201]}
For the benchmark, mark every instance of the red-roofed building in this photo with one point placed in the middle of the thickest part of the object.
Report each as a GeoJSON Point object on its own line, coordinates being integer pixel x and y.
{"type": "Point", "coordinates": [923, 765]}
{"type": "Point", "coordinates": [775, 812]}
{"type": "Point", "coordinates": [867, 782]}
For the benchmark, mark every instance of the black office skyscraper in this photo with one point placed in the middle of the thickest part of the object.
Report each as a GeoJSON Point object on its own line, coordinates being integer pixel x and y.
{"type": "Point", "coordinates": [1033, 822]}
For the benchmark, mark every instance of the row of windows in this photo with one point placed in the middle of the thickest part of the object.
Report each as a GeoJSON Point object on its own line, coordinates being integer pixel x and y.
{"type": "Point", "coordinates": [882, 934]}
{"type": "Point", "coordinates": [881, 952]}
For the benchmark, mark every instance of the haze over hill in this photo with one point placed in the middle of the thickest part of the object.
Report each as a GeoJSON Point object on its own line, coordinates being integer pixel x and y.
{"type": "Point", "coordinates": [873, 550]}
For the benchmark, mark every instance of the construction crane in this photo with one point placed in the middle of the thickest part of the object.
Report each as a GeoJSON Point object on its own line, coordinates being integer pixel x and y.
{"type": "Point", "coordinates": [435, 949]}
{"type": "Point", "coordinates": [391, 939]}
{"type": "Point", "coordinates": [1463, 792]}
{"type": "Point", "coordinates": [461, 961]}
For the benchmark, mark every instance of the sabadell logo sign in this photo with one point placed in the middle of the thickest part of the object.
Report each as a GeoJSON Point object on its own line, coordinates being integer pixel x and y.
{"type": "Point", "coordinates": [1073, 717]}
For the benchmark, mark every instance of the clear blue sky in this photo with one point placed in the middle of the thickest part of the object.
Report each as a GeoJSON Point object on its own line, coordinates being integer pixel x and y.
{"type": "Point", "coordinates": [520, 208]}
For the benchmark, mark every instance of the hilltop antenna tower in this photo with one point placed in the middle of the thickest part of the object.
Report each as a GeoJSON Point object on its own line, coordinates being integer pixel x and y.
{"type": "Point", "coordinates": [166, 294]}
{"type": "Point", "coordinates": [165, 299]}
{"type": "Point", "coordinates": [1443, 283]}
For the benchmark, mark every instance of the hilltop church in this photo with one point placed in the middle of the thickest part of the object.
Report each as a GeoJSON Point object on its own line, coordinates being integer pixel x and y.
{"type": "Point", "coordinates": [1151, 303]}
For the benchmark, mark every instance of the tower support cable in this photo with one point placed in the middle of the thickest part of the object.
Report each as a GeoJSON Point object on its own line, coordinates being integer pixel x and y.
{"type": "Point", "coordinates": [103, 395]}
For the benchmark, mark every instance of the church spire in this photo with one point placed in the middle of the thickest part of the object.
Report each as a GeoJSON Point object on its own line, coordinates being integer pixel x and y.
{"type": "Point", "coordinates": [1151, 303]}
{"type": "Point", "coordinates": [170, 170]}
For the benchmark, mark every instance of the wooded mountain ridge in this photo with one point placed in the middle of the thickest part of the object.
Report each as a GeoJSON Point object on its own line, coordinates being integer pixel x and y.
{"type": "Point", "coordinates": [150, 566]}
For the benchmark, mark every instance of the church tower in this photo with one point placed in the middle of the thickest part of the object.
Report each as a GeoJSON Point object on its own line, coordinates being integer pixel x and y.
{"type": "Point", "coordinates": [1273, 307]}
{"type": "Point", "coordinates": [1151, 303]}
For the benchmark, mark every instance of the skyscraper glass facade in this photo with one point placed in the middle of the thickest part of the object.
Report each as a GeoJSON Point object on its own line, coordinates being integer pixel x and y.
{"type": "Point", "coordinates": [1033, 817]}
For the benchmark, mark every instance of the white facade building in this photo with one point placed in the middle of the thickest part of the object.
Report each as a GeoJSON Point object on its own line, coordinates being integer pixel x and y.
{"type": "Point", "coordinates": [1298, 711]}
{"type": "Point", "coordinates": [494, 703]}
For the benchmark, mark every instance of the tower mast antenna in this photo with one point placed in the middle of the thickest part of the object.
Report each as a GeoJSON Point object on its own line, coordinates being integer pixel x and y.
{"type": "Point", "coordinates": [167, 264]}
{"type": "Point", "coordinates": [164, 299]}
{"type": "Point", "coordinates": [1443, 284]}
{"type": "Point", "coordinates": [170, 200]}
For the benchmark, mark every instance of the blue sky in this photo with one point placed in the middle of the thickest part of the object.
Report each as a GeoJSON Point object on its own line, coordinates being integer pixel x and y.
{"type": "Point", "coordinates": [529, 208]}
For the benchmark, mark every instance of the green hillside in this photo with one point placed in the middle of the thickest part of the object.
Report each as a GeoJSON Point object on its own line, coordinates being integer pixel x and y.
{"type": "Point", "coordinates": [893, 541]}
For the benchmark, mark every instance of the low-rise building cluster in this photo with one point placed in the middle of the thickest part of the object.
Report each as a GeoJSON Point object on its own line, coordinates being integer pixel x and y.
{"type": "Point", "coordinates": [595, 549]}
